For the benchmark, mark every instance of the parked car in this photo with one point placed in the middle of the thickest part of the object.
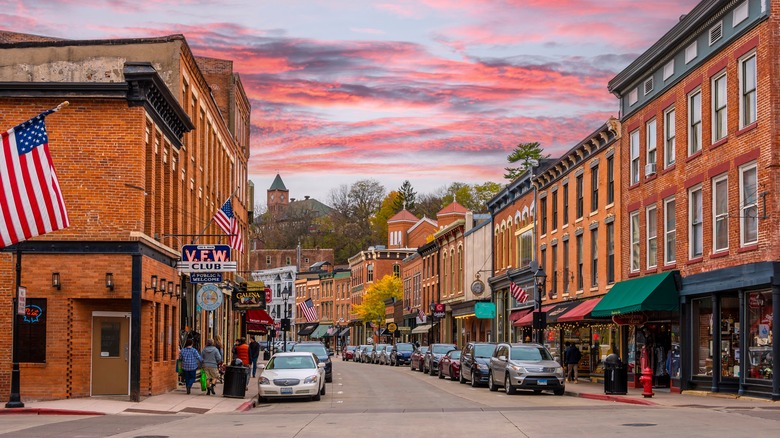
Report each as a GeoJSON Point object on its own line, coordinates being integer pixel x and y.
{"type": "Point", "coordinates": [296, 374]}
{"type": "Point", "coordinates": [349, 353]}
{"type": "Point", "coordinates": [401, 353]}
{"type": "Point", "coordinates": [525, 366]}
{"type": "Point", "coordinates": [384, 355]}
{"type": "Point", "coordinates": [475, 363]}
{"type": "Point", "coordinates": [449, 365]}
{"type": "Point", "coordinates": [417, 358]}
{"type": "Point", "coordinates": [322, 353]}
{"type": "Point", "coordinates": [434, 354]}
{"type": "Point", "coordinates": [377, 352]}
{"type": "Point", "coordinates": [366, 354]}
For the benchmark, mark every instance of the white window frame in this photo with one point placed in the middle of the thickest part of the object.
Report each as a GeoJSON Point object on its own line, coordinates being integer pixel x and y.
{"type": "Point", "coordinates": [651, 235]}
{"type": "Point", "coordinates": [694, 123]}
{"type": "Point", "coordinates": [633, 96]}
{"type": "Point", "coordinates": [695, 222]}
{"type": "Point", "coordinates": [720, 212]}
{"type": "Point", "coordinates": [634, 157]}
{"type": "Point", "coordinates": [668, 70]}
{"type": "Point", "coordinates": [634, 245]}
{"type": "Point", "coordinates": [670, 254]}
{"type": "Point", "coordinates": [741, 13]}
{"type": "Point", "coordinates": [743, 93]}
{"type": "Point", "coordinates": [745, 207]}
{"type": "Point", "coordinates": [691, 52]}
{"type": "Point", "coordinates": [670, 137]}
{"type": "Point", "coordinates": [719, 110]}
{"type": "Point", "coordinates": [651, 141]}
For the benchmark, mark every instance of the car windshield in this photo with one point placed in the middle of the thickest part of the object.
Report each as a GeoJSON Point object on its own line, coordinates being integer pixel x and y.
{"type": "Point", "coordinates": [423, 350]}
{"type": "Point", "coordinates": [484, 350]}
{"type": "Point", "coordinates": [404, 347]}
{"type": "Point", "coordinates": [442, 349]}
{"type": "Point", "coordinates": [529, 354]}
{"type": "Point", "coordinates": [350, 348]}
{"type": "Point", "coordinates": [389, 348]}
{"type": "Point", "coordinates": [455, 354]}
{"type": "Point", "coordinates": [290, 363]}
{"type": "Point", "coordinates": [369, 348]}
{"type": "Point", "coordinates": [317, 349]}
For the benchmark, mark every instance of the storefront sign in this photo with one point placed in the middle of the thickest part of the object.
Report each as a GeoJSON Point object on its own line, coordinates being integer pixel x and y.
{"type": "Point", "coordinates": [392, 327]}
{"type": "Point", "coordinates": [485, 310]}
{"type": "Point", "coordinates": [206, 258]}
{"type": "Point", "coordinates": [21, 300]}
{"type": "Point", "coordinates": [439, 310]}
{"type": "Point", "coordinates": [209, 297]}
{"type": "Point", "coordinates": [254, 297]}
{"type": "Point", "coordinates": [630, 319]}
{"type": "Point", "coordinates": [206, 277]}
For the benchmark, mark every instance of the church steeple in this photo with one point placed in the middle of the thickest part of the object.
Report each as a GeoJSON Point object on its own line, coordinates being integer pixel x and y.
{"type": "Point", "coordinates": [277, 194]}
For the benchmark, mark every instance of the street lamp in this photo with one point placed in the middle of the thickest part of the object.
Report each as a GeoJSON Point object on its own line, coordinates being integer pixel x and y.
{"type": "Point", "coordinates": [540, 278]}
{"type": "Point", "coordinates": [286, 320]}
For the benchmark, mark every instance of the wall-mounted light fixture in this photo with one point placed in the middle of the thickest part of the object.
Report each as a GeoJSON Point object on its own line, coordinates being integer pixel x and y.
{"type": "Point", "coordinates": [153, 286]}
{"type": "Point", "coordinates": [163, 283]}
{"type": "Point", "coordinates": [170, 288]}
{"type": "Point", "coordinates": [109, 281]}
{"type": "Point", "coordinates": [55, 280]}
{"type": "Point", "coordinates": [178, 291]}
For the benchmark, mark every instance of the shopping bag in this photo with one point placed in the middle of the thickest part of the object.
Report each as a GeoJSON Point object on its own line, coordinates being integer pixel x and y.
{"type": "Point", "coordinates": [178, 366]}
{"type": "Point", "coordinates": [202, 380]}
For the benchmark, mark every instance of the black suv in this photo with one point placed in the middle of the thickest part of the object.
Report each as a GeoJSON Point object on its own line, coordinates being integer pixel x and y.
{"type": "Point", "coordinates": [475, 362]}
{"type": "Point", "coordinates": [322, 353]}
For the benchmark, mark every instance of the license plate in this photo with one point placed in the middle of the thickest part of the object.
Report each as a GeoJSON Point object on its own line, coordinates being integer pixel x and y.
{"type": "Point", "coordinates": [286, 391]}
{"type": "Point", "coordinates": [538, 382]}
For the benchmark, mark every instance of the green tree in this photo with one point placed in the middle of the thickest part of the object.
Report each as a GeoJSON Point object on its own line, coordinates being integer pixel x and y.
{"type": "Point", "coordinates": [407, 197]}
{"type": "Point", "coordinates": [373, 306]}
{"type": "Point", "coordinates": [528, 155]}
{"type": "Point", "coordinates": [386, 211]}
{"type": "Point", "coordinates": [474, 198]}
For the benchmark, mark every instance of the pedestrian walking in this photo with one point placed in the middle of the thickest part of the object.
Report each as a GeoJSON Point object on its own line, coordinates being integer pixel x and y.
{"type": "Point", "coordinates": [218, 344]}
{"type": "Point", "coordinates": [572, 356]}
{"type": "Point", "coordinates": [241, 352]}
{"type": "Point", "coordinates": [190, 361]}
{"type": "Point", "coordinates": [254, 354]}
{"type": "Point", "coordinates": [212, 358]}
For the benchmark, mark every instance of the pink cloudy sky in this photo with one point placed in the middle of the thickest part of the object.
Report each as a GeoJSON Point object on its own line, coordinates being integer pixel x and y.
{"type": "Point", "coordinates": [433, 91]}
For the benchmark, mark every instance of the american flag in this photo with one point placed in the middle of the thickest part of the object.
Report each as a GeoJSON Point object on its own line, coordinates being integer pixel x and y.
{"type": "Point", "coordinates": [308, 310]}
{"type": "Point", "coordinates": [31, 202]}
{"type": "Point", "coordinates": [421, 314]}
{"type": "Point", "coordinates": [518, 293]}
{"type": "Point", "coordinates": [226, 220]}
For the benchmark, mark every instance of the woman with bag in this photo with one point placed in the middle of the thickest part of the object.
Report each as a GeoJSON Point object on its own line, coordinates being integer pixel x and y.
{"type": "Point", "coordinates": [212, 358]}
{"type": "Point", "coordinates": [190, 362]}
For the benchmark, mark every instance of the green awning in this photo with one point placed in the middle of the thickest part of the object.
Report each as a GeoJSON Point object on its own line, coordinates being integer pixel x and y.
{"type": "Point", "coordinates": [656, 292]}
{"type": "Point", "coordinates": [320, 331]}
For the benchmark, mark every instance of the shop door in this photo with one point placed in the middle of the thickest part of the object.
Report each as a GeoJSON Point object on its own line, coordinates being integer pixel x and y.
{"type": "Point", "coordinates": [110, 355]}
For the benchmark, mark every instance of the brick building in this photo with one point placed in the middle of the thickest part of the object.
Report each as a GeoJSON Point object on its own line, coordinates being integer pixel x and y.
{"type": "Point", "coordinates": [144, 157]}
{"type": "Point", "coordinates": [700, 185]}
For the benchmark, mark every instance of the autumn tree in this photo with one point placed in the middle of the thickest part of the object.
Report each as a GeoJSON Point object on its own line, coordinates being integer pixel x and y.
{"type": "Point", "coordinates": [386, 211]}
{"type": "Point", "coordinates": [527, 155]}
{"type": "Point", "coordinates": [429, 204]}
{"type": "Point", "coordinates": [373, 306]}
{"type": "Point", "coordinates": [474, 198]}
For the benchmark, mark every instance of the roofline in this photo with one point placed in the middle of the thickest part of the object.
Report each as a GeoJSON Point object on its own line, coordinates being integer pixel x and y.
{"type": "Point", "coordinates": [109, 42]}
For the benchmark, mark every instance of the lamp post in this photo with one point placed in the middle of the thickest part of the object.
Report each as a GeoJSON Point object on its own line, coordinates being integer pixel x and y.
{"type": "Point", "coordinates": [540, 278]}
{"type": "Point", "coordinates": [286, 320]}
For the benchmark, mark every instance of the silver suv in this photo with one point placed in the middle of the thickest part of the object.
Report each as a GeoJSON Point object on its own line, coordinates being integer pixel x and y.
{"type": "Point", "coordinates": [525, 366]}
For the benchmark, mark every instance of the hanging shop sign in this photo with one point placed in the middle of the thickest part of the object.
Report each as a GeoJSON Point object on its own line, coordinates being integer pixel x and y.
{"type": "Point", "coordinates": [209, 297]}
{"type": "Point", "coordinates": [485, 310]}
{"type": "Point", "coordinates": [250, 297]}
{"type": "Point", "coordinates": [206, 258]}
{"type": "Point", "coordinates": [205, 277]}
{"type": "Point", "coordinates": [630, 319]}
{"type": "Point", "coordinates": [439, 310]}
{"type": "Point", "coordinates": [392, 327]}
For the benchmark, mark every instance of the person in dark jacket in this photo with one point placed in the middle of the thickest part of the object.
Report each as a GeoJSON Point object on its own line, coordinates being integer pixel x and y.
{"type": "Point", "coordinates": [572, 357]}
{"type": "Point", "coordinates": [254, 354]}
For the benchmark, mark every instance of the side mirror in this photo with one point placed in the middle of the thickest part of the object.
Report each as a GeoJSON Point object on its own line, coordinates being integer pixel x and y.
{"type": "Point", "coordinates": [261, 366]}
{"type": "Point", "coordinates": [330, 353]}
{"type": "Point", "coordinates": [321, 365]}
{"type": "Point", "coordinates": [502, 358]}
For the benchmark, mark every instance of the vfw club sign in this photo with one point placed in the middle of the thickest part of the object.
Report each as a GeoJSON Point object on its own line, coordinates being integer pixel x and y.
{"type": "Point", "coordinates": [205, 258]}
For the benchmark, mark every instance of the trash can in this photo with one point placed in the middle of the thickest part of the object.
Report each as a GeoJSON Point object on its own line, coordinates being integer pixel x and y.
{"type": "Point", "coordinates": [266, 354]}
{"type": "Point", "coordinates": [234, 382]}
{"type": "Point", "coordinates": [615, 375]}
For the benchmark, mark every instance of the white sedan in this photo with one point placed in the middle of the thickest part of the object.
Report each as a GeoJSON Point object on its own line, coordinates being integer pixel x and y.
{"type": "Point", "coordinates": [294, 375]}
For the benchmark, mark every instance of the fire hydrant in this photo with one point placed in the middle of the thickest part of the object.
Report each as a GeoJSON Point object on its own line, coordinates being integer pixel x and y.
{"type": "Point", "coordinates": [647, 374]}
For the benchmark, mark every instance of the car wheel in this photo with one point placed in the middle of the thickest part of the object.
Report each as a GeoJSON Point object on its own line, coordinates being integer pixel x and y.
{"type": "Point", "coordinates": [441, 374]}
{"type": "Point", "coordinates": [461, 379]}
{"type": "Point", "coordinates": [491, 386]}
{"type": "Point", "coordinates": [322, 391]}
{"type": "Point", "coordinates": [508, 385]}
{"type": "Point", "coordinates": [317, 397]}
{"type": "Point", "coordinates": [329, 379]}
{"type": "Point", "coordinates": [559, 391]}
{"type": "Point", "coordinates": [474, 379]}
{"type": "Point", "coordinates": [261, 399]}
{"type": "Point", "coordinates": [452, 374]}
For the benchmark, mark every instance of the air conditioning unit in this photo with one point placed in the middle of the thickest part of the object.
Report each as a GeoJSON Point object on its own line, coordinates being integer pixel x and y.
{"type": "Point", "coordinates": [650, 169]}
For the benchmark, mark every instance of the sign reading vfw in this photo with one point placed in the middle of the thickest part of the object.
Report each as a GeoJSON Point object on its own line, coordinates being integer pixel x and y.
{"type": "Point", "coordinates": [206, 258]}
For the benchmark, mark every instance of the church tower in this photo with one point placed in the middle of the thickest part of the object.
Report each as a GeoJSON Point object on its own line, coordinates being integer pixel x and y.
{"type": "Point", "coordinates": [277, 195]}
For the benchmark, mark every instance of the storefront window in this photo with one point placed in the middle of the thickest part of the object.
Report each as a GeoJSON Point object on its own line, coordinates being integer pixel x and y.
{"type": "Point", "coordinates": [552, 340]}
{"type": "Point", "coordinates": [760, 335]}
{"type": "Point", "coordinates": [729, 336]}
{"type": "Point", "coordinates": [580, 336]}
{"type": "Point", "coordinates": [702, 337]}
{"type": "Point", "coordinates": [673, 360]}
{"type": "Point", "coordinates": [604, 341]}
{"type": "Point", "coordinates": [632, 353]}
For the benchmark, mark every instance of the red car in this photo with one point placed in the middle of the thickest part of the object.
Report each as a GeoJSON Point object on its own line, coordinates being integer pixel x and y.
{"type": "Point", "coordinates": [449, 365]}
{"type": "Point", "coordinates": [348, 353]}
{"type": "Point", "coordinates": [416, 361]}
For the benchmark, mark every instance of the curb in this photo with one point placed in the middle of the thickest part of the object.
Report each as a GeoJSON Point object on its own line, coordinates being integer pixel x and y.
{"type": "Point", "coordinates": [613, 398]}
{"type": "Point", "coordinates": [246, 406]}
{"type": "Point", "coordinates": [46, 411]}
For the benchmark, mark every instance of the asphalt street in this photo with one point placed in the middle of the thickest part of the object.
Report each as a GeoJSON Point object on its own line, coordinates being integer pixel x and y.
{"type": "Point", "coordinates": [372, 400]}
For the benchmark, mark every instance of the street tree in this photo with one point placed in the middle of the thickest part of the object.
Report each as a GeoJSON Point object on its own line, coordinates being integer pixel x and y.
{"type": "Point", "coordinates": [373, 306]}
{"type": "Point", "coordinates": [527, 155]}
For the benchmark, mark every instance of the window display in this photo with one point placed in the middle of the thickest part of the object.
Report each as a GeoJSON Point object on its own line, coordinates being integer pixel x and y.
{"type": "Point", "coordinates": [729, 336]}
{"type": "Point", "coordinates": [760, 336]}
{"type": "Point", "coordinates": [702, 336]}
{"type": "Point", "coordinates": [604, 341]}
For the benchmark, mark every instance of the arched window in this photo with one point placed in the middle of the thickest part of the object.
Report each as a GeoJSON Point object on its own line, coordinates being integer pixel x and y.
{"type": "Point", "coordinates": [460, 269]}
{"type": "Point", "coordinates": [396, 270]}
{"type": "Point", "coordinates": [452, 271]}
{"type": "Point", "coordinates": [444, 271]}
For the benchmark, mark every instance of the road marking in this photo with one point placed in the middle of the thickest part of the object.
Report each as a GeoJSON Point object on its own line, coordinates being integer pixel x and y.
{"type": "Point", "coordinates": [339, 392]}
{"type": "Point", "coordinates": [341, 384]}
{"type": "Point", "coordinates": [339, 401]}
